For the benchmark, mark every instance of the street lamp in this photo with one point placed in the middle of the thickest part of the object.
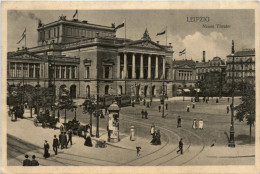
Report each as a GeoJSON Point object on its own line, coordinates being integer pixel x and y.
{"type": "Point", "coordinates": [232, 132]}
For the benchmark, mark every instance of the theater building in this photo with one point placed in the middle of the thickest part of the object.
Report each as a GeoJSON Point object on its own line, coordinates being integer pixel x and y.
{"type": "Point", "coordinates": [89, 59]}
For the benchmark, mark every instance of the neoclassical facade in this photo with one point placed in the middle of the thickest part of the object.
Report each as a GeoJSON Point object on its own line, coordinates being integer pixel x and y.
{"type": "Point", "coordinates": [89, 59]}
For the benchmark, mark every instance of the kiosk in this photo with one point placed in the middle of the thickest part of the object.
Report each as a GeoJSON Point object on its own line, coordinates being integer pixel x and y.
{"type": "Point", "coordinates": [113, 123]}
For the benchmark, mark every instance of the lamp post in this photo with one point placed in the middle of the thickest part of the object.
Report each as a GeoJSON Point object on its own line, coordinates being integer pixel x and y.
{"type": "Point", "coordinates": [232, 132]}
{"type": "Point", "coordinates": [37, 88]}
{"type": "Point", "coordinates": [163, 116]}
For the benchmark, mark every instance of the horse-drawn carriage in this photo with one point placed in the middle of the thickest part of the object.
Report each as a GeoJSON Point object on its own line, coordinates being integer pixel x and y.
{"type": "Point", "coordinates": [45, 120]}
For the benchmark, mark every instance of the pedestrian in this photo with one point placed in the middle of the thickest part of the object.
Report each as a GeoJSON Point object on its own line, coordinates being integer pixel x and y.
{"type": "Point", "coordinates": [138, 149]}
{"type": "Point", "coordinates": [61, 141]}
{"type": "Point", "coordinates": [158, 137]}
{"type": "Point", "coordinates": [197, 124]}
{"type": "Point", "coordinates": [228, 99]}
{"type": "Point", "coordinates": [34, 161]}
{"type": "Point", "coordinates": [88, 141]}
{"type": "Point", "coordinates": [142, 112]}
{"type": "Point", "coordinates": [46, 150]}
{"type": "Point", "coordinates": [26, 162]}
{"type": "Point", "coordinates": [217, 100]}
{"type": "Point", "coordinates": [65, 139]}
{"type": "Point", "coordinates": [147, 105]}
{"type": "Point", "coordinates": [159, 108]}
{"type": "Point", "coordinates": [144, 101]}
{"type": "Point", "coordinates": [179, 122]}
{"type": "Point", "coordinates": [180, 146]}
{"type": "Point", "coordinates": [201, 124]}
{"type": "Point", "coordinates": [152, 130]}
{"type": "Point", "coordinates": [191, 99]}
{"type": "Point", "coordinates": [70, 137]}
{"type": "Point", "coordinates": [188, 108]}
{"type": "Point", "coordinates": [166, 106]}
{"type": "Point", "coordinates": [193, 105]}
{"type": "Point", "coordinates": [227, 109]}
{"type": "Point", "coordinates": [146, 114]}
{"type": "Point", "coordinates": [55, 144]}
{"type": "Point", "coordinates": [194, 123]}
{"type": "Point", "coordinates": [203, 99]}
{"type": "Point", "coordinates": [207, 100]}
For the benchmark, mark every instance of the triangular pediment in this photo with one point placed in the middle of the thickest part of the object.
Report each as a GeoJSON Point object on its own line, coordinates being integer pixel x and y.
{"type": "Point", "coordinates": [185, 66]}
{"type": "Point", "coordinates": [146, 44]}
{"type": "Point", "coordinates": [25, 56]}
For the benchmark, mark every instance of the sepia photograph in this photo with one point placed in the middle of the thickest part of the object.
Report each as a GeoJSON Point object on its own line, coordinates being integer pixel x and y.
{"type": "Point", "coordinates": [130, 87]}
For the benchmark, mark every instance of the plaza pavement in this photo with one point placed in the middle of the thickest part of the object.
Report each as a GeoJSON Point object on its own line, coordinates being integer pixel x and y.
{"type": "Point", "coordinates": [124, 152]}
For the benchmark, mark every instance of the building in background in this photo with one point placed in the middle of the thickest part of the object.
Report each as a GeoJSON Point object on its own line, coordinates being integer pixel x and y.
{"type": "Point", "coordinates": [244, 66]}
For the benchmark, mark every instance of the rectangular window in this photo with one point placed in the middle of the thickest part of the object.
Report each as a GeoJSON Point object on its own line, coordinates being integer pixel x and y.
{"type": "Point", "coordinates": [37, 70]}
{"type": "Point", "coordinates": [31, 68]}
{"type": "Point", "coordinates": [12, 69]}
{"type": "Point", "coordinates": [87, 72]}
{"type": "Point", "coordinates": [58, 31]}
{"type": "Point", "coordinates": [25, 70]}
{"type": "Point", "coordinates": [42, 70]}
{"type": "Point", "coordinates": [54, 32]}
{"type": "Point", "coordinates": [73, 72]}
{"type": "Point", "coordinates": [18, 70]}
{"type": "Point", "coordinates": [49, 34]}
{"type": "Point", "coordinates": [67, 72]}
{"type": "Point", "coordinates": [62, 72]}
{"type": "Point", "coordinates": [57, 71]}
{"type": "Point", "coordinates": [106, 72]}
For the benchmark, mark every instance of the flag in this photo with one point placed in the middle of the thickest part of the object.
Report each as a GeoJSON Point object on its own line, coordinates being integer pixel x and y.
{"type": "Point", "coordinates": [120, 25]}
{"type": "Point", "coordinates": [23, 36]}
{"type": "Point", "coordinates": [161, 33]}
{"type": "Point", "coordinates": [182, 52]}
{"type": "Point", "coordinates": [76, 12]}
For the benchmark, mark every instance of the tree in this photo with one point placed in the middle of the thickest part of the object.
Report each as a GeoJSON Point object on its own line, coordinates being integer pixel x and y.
{"type": "Point", "coordinates": [65, 101]}
{"type": "Point", "coordinates": [246, 110]}
{"type": "Point", "coordinates": [90, 107]}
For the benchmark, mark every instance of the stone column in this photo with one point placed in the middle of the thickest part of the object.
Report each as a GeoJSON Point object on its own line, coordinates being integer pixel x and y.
{"type": "Point", "coordinates": [149, 66]}
{"type": "Point", "coordinates": [133, 66]}
{"type": "Point", "coordinates": [14, 69]}
{"type": "Point", "coordinates": [65, 72]}
{"type": "Point", "coordinates": [60, 73]}
{"type": "Point", "coordinates": [118, 66]}
{"type": "Point", "coordinates": [34, 72]}
{"type": "Point", "coordinates": [125, 65]}
{"type": "Point", "coordinates": [156, 67]}
{"type": "Point", "coordinates": [163, 67]}
{"type": "Point", "coordinates": [28, 69]}
{"type": "Point", "coordinates": [70, 72]}
{"type": "Point", "coordinates": [141, 66]}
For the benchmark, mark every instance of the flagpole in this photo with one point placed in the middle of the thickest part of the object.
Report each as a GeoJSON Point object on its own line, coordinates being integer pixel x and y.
{"type": "Point", "coordinates": [166, 35]}
{"type": "Point", "coordinates": [125, 29]}
{"type": "Point", "coordinates": [25, 38]}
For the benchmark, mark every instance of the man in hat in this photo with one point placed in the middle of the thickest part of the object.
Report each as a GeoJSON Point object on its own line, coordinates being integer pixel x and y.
{"type": "Point", "coordinates": [61, 140]}
{"type": "Point", "coordinates": [146, 114]}
{"type": "Point", "coordinates": [179, 121]}
{"type": "Point", "coordinates": [180, 146]}
{"type": "Point", "coordinates": [26, 162]}
{"type": "Point", "coordinates": [55, 144]}
{"type": "Point", "coordinates": [159, 108]}
{"type": "Point", "coordinates": [70, 137]}
{"type": "Point", "coordinates": [34, 161]}
{"type": "Point", "coordinates": [142, 112]}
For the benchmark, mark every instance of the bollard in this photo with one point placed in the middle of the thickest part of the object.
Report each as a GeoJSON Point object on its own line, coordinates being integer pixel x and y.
{"type": "Point", "coordinates": [132, 133]}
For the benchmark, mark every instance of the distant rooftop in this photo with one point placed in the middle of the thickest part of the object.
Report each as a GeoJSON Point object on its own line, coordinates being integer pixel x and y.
{"type": "Point", "coordinates": [245, 52]}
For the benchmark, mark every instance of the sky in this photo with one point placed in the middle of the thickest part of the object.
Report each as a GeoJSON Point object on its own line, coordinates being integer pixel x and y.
{"type": "Point", "coordinates": [182, 34]}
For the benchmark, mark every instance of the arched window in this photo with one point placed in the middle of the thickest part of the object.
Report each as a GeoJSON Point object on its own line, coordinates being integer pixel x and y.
{"type": "Point", "coordinates": [106, 89]}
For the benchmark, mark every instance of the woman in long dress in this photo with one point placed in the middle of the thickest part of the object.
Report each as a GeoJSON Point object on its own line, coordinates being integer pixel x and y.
{"type": "Point", "coordinates": [88, 141]}
{"type": "Point", "coordinates": [46, 150]}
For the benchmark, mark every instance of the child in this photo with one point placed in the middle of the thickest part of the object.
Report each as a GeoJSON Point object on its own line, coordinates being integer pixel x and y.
{"type": "Point", "coordinates": [138, 149]}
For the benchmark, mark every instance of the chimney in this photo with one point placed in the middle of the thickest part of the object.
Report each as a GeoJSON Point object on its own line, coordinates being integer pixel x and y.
{"type": "Point", "coordinates": [204, 56]}
{"type": "Point", "coordinates": [233, 47]}
{"type": "Point", "coordinates": [18, 49]}
{"type": "Point", "coordinates": [157, 42]}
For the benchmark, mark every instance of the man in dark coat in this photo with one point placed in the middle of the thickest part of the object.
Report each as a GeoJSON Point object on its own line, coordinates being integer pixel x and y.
{"type": "Point", "coordinates": [142, 112]}
{"type": "Point", "coordinates": [227, 109]}
{"type": "Point", "coordinates": [65, 139]}
{"type": "Point", "coordinates": [55, 144]}
{"type": "Point", "coordinates": [146, 114]}
{"type": "Point", "coordinates": [34, 161]}
{"type": "Point", "coordinates": [26, 162]}
{"type": "Point", "coordinates": [166, 106]}
{"type": "Point", "coordinates": [179, 122]}
{"type": "Point", "coordinates": [70, 137]}
{"type": "Point", "coordinates": [61, 141]}
{"type": "Point", "coordinates": [159, 108]}
{"type": "Point", "coordinates": [46, 150]}
{"type": "Point", "coordinates": [180, 146]}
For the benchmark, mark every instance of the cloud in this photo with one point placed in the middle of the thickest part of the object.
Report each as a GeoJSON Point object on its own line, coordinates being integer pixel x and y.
{"type": "Point", "coordinates": [214, 43]}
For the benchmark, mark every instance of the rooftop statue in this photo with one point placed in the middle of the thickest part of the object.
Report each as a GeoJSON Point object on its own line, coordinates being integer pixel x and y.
{"type": "Point", "coordinates": [146, 35]}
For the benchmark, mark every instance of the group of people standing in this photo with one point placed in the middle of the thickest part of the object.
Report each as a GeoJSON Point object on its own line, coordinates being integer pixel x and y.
{"type": "Point", "coordinates": [144, 114]}
{"type": "Point", "coordinates": [197, 124]}
{"type": "Point", "coordinates": [32, 162]}
{"type": "Point", "coordinates": [62, 143]}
